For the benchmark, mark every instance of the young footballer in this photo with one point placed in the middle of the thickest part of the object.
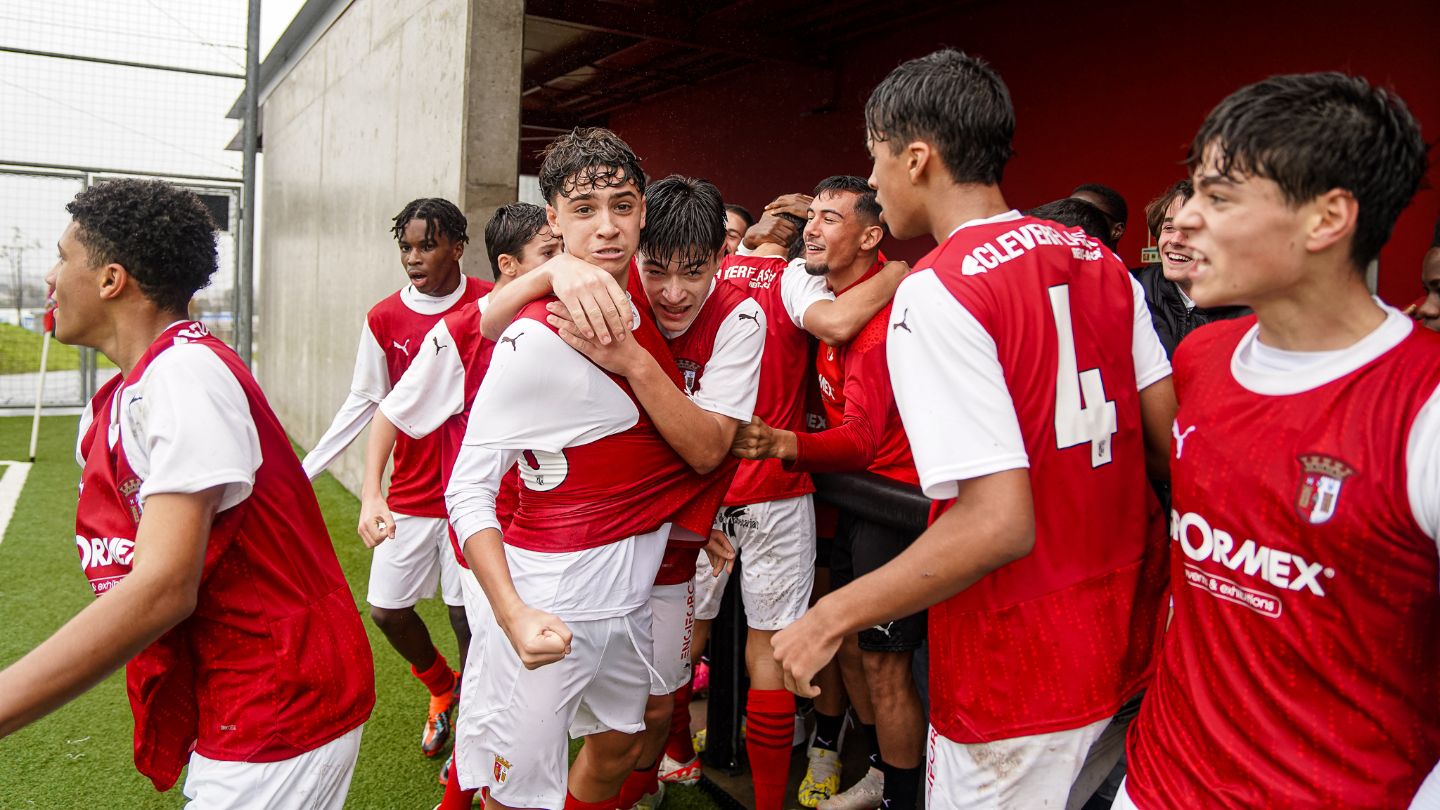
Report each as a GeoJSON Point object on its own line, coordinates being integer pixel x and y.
{"type": "Point", "coordinates": [1031, 385]}
{"type": "Point", "coordinates": [1299, 668]}
{"type": "Point", "coordinates": [219, 588]}
{"type": "Point", "coordinates": [431, 233]}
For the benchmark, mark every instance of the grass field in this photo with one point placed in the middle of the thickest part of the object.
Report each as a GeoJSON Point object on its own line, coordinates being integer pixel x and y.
{"type": "Point", "coordinates": [80, 756]}
{"type": "Point", "coordinates": [20, 352]}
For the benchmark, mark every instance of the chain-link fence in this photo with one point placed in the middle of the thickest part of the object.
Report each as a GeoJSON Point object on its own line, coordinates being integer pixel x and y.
{"type": "Point", "coordinates": [92, 90]}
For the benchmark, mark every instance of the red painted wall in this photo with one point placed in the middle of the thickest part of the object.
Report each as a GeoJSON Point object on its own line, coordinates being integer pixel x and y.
{"type": "Point", "coordinates": [1103, 92]}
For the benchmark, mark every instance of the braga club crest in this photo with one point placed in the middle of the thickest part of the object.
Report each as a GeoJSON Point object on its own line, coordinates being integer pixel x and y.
{"type": "Point", "coordinates": [1321, 479]}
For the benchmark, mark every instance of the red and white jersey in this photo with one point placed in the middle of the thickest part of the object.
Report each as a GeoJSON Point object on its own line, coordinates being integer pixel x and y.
{"type": "Point", "coordinates": [436, 393]}
{"type": "Point", "coordinates": [869, 434]}
{"type": "Point", "coordinates": [391, 339]}
{"type": "Point", "coordinates": [598, 483]}
{"type": "Point", "coordinates": [1020, 344]}
{"type": "Point", "coordinates": [785, 293]}
{"type": "Point", "coordinates": [718, 355]}
{"type": "Point", "coordinates": [274, 661]}
{"type": "Point", "coordinates": [1300, 667]}
{"type": "Point", "coordinates": [830, 365]}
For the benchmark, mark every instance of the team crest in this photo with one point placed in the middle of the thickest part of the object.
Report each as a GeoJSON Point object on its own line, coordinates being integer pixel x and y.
{"type": "Point", "coordinates": [129, 491]}
{"type": "Point", "coordinates": [690, 370]}
{"type": "Point", "coordinates": [1321, 479]}
{"type": "Point", "coordinates": [502, 769]}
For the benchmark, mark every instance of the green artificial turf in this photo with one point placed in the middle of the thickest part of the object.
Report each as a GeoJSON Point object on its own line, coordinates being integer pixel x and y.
{"type": "Point", "coordinates": [20, 352]}
{"type": "Point", "coordinates": [80, 756]}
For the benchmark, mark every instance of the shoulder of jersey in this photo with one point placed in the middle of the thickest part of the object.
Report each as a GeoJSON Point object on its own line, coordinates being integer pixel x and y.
{"type": "Point", "coordinates": [1213, 337]}
{"type": "Point", "coordinates": [475, 289]}
{"type": "Point", "coordinates": [388, 305]}
{"type": "Point", "coordinates": [875, 332]}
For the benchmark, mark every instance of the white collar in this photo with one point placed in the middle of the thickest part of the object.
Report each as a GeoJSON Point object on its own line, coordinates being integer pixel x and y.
{"type": "Point", "coordinates": [1008, 216]}
{"type": "Point", "coordinates": [1310, 370]}
{"type": "Point", "coordinates": [429, 304]}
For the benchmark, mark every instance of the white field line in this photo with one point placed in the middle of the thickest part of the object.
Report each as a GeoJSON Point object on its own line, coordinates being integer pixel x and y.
{"type": "Point", "coordinates": [11, 484]}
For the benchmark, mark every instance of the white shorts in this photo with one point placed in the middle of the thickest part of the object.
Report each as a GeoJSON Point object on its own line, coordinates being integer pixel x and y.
{"type": "Point", "coordinates": [512, 735]}
{"type": "Point", "coordinates": [1033, 771]}
{"type": "Point", "coordinates": [477, 608]}
{"type": "Point", "coordinates": [672, 616]}
{"type": "Point", "coordinates": [405, 568]}
{"type": "Point", "coordinates": [315, 780]}
{"type": "Point", "coordinates": [775, 541]}
{"type": "Point", "coordinates": [1122, 799]}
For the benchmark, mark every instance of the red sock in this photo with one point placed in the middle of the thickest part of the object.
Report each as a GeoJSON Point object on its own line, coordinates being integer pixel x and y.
{"type": "Point", "coordinates": [572, 803]}
{"type": "Point", "coordinates": [439, 678]}
{"type": "Point", "coordinates": [455, 798]}
{"type": "Point", "coordinates": [770, 716]}
{"type": "Point", "coordinates": [679, 746]}
{"type": "Point", "coordinates": [640, 783]}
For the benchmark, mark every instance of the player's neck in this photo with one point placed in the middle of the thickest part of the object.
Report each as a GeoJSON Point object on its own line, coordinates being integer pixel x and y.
{"type": "Point", "coordinates": [842, 280]}
{"type": "Point", "coordinates": [449, 286]}
{"type": "Point", "coordinates": [1318, 317]}
{"type": "Point", "coordinates": [955, 204]}
{"type": "Point", "coordinates": [132, 334]}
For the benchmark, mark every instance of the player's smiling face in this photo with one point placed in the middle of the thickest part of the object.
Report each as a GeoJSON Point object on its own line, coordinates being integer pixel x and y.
{"type": "Point", "coordinates": [1175, 256]}
{"type": "Point", "coordinates": [833, 233]}
{"type": "Point", "coordinates": [1247, 241]}
{"type": "Point", "coordinates": [734, 232]}
{"type": "Point", "coordinates": [73, 282]}
{"type": "Point", "coordinates": [600, 225]}
{"type": "Point", "coordinates": [677, 288]}
{"type": "Point", "coordinates": [431, 262]}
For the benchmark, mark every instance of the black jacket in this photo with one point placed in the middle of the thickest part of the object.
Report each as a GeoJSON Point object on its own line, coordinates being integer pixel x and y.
{"type": "Point", "coordinates": [1173, 320]}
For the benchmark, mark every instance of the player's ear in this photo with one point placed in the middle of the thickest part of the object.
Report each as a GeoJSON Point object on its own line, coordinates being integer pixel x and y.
{"type": "Point", "coordinates": [642, 211]}
{"type": "Point", "coordinates": [918, 156]}
{"type": "Point", "coordinates": [112, 280]}
{"type": "Point", "coordinates": [550, 218]}
{"type": "Point", "coordinates": [459, 250]}
{"type": "Point", "coordinates": [1331, 220]}
{"type": "Point", "coordinates": [509, 265]}
{"type": "Point", "coordinates": [872, 236]}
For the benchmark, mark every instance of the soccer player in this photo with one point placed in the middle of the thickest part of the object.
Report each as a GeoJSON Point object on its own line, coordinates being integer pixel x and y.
{"type": "Point", "coordinates": [437, 390]}
{"type": "Point", "coordinates": [1427, 309]}
{"type": "Point", "coordinates": [842, 238]}
{"type": "Point", "coordinates": [737, 221]}
{"type": "Point", "coordinates": [245, 657]}
{"type": "Point", "coordinates": [431, 233]}
{"type": "Point", "coordinates": [1299, 669]}
{"type": "Point", "coordinates": [1033, 391]}
{"type": "Point", "coordinates": [568, 650]}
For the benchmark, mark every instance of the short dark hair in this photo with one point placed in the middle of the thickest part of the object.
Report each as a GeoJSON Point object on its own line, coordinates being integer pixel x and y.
{"type": "Point", "coordinates": [1156, 208]}
{"type": "Point", "coordinates": [955, 102]}
{"type": "Point", "coordinates": [1074, 213]}
{"type": "Point", "coordinates": [867, 205]}
{"type": "Point", "coordinates": [742, 212]}
{"type": "Point", "coordinates": [684, 220]}
{"type": "Point", "coordinates": [160, 233]}
{"type": "Point", "coordinates": [440, 216]}
{"type": "Point", "coordinates": [1114, 205]}
{"type": "Point", "coordinates": [587, 156]}
{"type": "Point", "coordinates": [510, 228]}
{"type": "Point", "coordinates": [1313, 132]}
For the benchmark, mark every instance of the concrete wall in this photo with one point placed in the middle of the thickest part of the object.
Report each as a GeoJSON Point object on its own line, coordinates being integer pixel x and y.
{"type": "Point", "coordinates": [373, 115]}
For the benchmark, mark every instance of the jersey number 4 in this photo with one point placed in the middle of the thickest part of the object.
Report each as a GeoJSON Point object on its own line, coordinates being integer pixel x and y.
{"type": "Point", "coordinates": [1082, 413]}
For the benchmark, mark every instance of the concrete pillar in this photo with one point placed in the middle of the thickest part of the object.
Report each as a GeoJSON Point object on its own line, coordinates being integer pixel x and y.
{"type": "Point", "coordinates": [490, 154]}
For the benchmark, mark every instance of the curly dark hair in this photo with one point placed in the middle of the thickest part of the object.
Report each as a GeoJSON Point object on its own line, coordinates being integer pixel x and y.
{"type": "Point", "coordinates": [160, 233]}
{"type": "Point", "coordinates": [440, 215]}
{"type": "Point", "coordinates": [587, 156]}
{"type": "Point", "coordinates": [1312, 132]}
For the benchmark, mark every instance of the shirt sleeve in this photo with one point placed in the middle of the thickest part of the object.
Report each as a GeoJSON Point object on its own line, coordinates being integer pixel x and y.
{"type": "Point", "coordinates": [540, 394]}
{"type": "Point", "coordinates": [1151, 363]}
{"type": "Point", "coordinates": [1422, 467]}
{"type": "Point", "coordinates": [731, 380]}
{"type": "Point", "coordinates": [188, 428]}
{"type": "Point", "coordinates": [369, 384]}
{"type": "Point", "coordinates": [474, 484]}
{"type": "Point", "coordinates": [851, 446]}
{"type": "Point", "coordinates": [433, 388]}
{"type": "Point", "coordinates": [799, 290]}
{"type": "Point", "coordinates": [950, 389]}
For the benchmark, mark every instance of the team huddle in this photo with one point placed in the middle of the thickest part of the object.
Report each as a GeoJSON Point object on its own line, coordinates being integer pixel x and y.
{"type": "Point", "coordinates": [1217, 578]}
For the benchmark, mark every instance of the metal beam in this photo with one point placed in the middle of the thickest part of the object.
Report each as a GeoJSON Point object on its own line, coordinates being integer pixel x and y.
{"type": "Point", "coordinates": [119, 62]}
{"type": "Point", "coordinates": [22, 165]}
{"type": "Point", "coordinates": [571, 58]}
{"type": "Point", "coordinates": [697, 31]}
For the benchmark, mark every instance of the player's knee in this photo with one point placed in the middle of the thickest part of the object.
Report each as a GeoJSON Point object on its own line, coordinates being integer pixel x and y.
{"type": "Point", "coordinates": [657, 711]}
{"type": "Point", "coordinates": [888, 673]}
{"type": "Point", "coordinates": [390, 619]}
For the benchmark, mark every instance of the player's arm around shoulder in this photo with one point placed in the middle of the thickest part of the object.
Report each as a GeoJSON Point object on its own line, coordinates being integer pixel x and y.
{"type": "Point", "coordinates": [837, 322]}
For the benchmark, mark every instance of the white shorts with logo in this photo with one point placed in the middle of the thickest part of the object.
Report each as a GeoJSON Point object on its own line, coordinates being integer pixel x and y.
{"type": "Point", "coordinates": [775, 542]}
{"type": "Point", "coordinates": [315, 780]}
{"type": "Point", "coordinates": [1033, 771]}
{"type": "Point", "coordinates": [514, 725]}
{"type": "Point", "coordinates": [672, 612]}
{"type": "Point", "coordinates": [406, 568]}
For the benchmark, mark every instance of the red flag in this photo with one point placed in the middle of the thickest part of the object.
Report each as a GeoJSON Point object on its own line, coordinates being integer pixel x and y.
{"type": "Point", "coordinates": [48, 322]}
